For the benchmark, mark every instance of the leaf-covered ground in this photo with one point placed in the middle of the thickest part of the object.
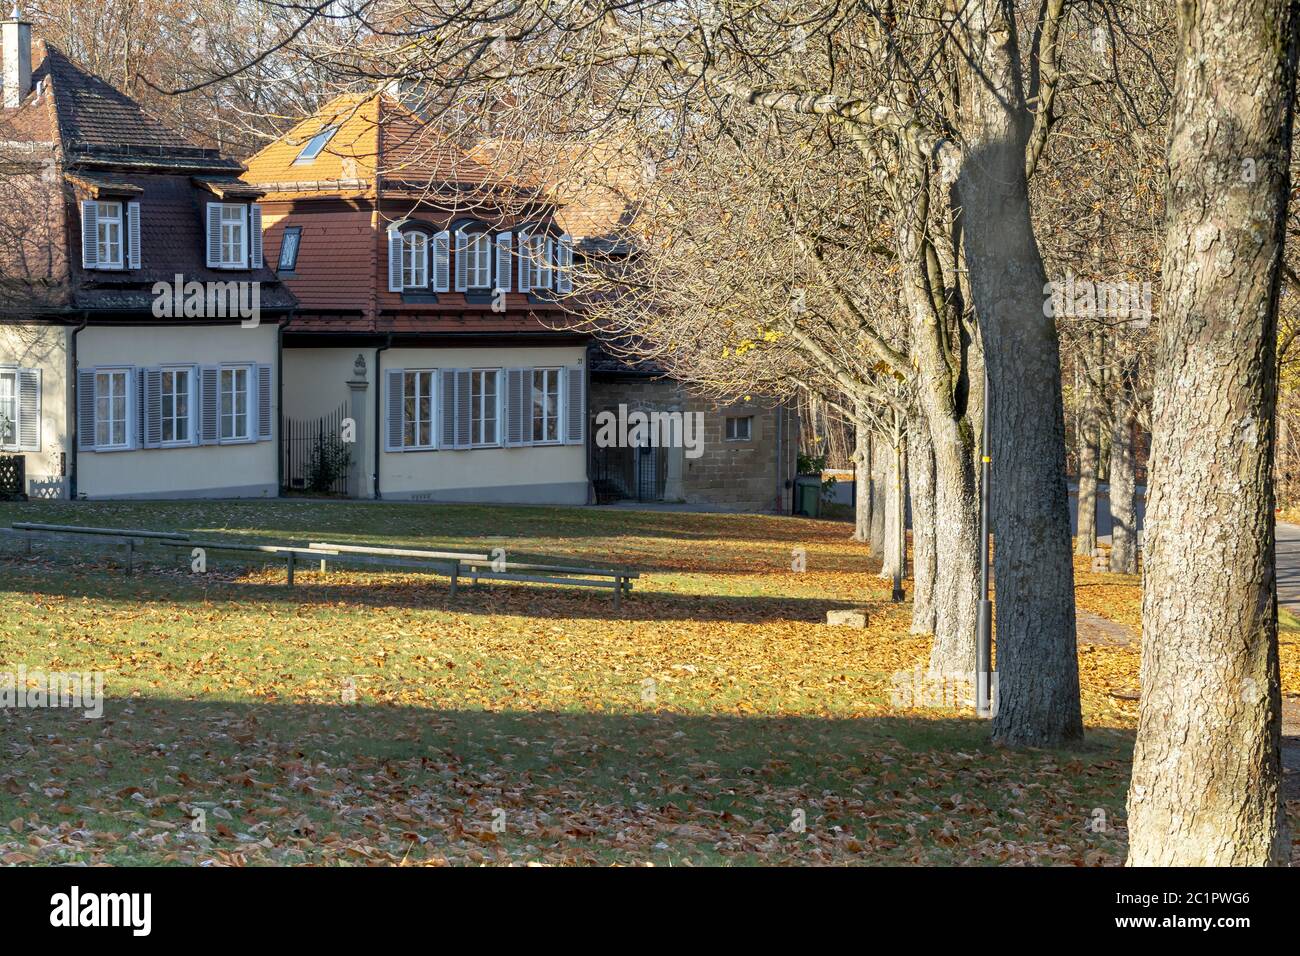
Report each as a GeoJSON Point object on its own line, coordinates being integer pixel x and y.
{"type": "Point", "coordinates": [715, 719]}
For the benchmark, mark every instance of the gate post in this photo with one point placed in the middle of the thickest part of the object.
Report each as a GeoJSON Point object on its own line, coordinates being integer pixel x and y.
{"type": "Point", "coordinates": [357, 386]}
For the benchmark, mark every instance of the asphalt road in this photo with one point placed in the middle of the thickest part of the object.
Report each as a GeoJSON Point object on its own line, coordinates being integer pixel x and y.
{"type": "Point", "coordinates": [1288, 567]}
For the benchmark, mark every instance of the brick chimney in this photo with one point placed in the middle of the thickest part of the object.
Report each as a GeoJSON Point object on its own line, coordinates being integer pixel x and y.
{"type": "Point", "coordinates": [16, 45]}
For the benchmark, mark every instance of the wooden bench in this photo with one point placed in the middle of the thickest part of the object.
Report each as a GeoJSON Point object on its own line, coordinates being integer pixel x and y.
{"type": "Point", "coordinates": [128, 538]}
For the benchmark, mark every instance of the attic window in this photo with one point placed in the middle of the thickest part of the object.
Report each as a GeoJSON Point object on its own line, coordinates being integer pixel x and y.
{"type": "Point", "coordinates": [316, 144]}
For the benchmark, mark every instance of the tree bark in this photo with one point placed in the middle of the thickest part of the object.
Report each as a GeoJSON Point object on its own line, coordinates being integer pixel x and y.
{"type": "Point", "coordinates": [1089, 438]}
{"type": "Point", "coordinates": [1123, 490]}
{"type": "Point", "coordinates": [920, 486]}
{"type": "Point", "coordinates": [893, 554]}
{"type": "Point", "coordinates": [862, 478]}
{"type": "Point", "coordinates": [1206, 768]}
{"type": "Point", "coordinates": [1038, 680]}
{"type": "Point", "coordinates": [879, 495]}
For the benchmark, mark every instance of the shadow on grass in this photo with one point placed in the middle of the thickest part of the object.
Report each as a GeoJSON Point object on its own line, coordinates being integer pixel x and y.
{"type": "Point", "coordinates": [158, 583]}
{"type": "Point", "coordinates": [316, 782]}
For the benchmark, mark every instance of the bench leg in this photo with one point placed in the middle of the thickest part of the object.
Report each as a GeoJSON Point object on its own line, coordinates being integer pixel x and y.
{"type": "Point", "coordinates": [288, 563]}
{"type": "Point", "coordinates": [322, 565]}
{"type": "Point", "coordinates": [130, 557]}
{"type": "Point", "coordinates": [455, 572]}
{"type": "Point", "coordinates": [618, 593]}
{"type": "Point", "coordinates": [28, 537]}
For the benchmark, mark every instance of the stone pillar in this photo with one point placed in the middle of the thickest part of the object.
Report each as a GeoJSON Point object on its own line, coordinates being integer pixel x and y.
{"type": "Point", "coordinates": [674, 489]}
{"type": "Point", "coordinates": [357, 386]}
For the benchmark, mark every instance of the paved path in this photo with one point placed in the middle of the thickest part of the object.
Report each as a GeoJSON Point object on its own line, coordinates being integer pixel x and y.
{"type": "Point", "coordinates": [1288, 566]}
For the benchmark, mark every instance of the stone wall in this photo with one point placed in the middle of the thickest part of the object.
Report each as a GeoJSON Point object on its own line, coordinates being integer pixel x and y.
{"type": "Point", "coordinates": [744, 474]}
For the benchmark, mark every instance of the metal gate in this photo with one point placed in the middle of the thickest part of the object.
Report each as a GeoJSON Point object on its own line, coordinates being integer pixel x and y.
{"type": "Point", "coordinates": [315, 457]}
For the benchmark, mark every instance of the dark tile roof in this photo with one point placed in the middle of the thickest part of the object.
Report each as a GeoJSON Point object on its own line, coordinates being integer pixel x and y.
{"type": "Point", "coordinates": [100, 125]}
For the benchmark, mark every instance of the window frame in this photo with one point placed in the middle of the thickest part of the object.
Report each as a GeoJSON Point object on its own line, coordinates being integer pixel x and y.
{"type": "Point", "coordinates": [250, 411]}
{"type": "Point", "coordinates": [191, 406]}
{"type": "Point", "coordinates": [12, 374]}
{"type": "Point", "coordinates": [116, 220]}
{"type": "Point", "coordinates": [476, 239]}
{"type": "Point", "coordinates": [749, 428]}
{"type": "Point", "coordinates": [408, 252]}
{"type": "Point", "coordinates": [127, 373]}
{"type": "Point", "coordinates": [432, 396]}
{"type": "Point", "coordinates": [242, 261]}
{"type": "Point", "coordinates": [280, 266]}
{"type": "Point", "coordinates": [558, 372]}
{"type": "Point", "coordinates": [478, 407]}
{"type": "Point", "coordinates": [323, 135]}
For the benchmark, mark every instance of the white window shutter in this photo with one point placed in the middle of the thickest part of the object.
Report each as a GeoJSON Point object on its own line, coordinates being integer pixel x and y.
{"type": "Point", "coordinates": [395, 404]}
{"type": "Point", "coordinates": [264, 403]}
{"type": "Point", "coordinates": [462, 261]}
{"type": "Point", "coordinates": [394, 260]}
{"type": "Point", "coordinates": [133, 235]}
{"type": "Point", "coordinates": [86, 408]}
{"type": "Point", "coordinates": [134, 392]}
{"type": "Point", "coordinates": [515, 407]}
{"type": "Point", "coordinates": [564, 264]}
{"type": "Point", "coordinates": [28, 426]}
{"type": "Point", "coordinates": [214, 235]}
{"type": "Point", "coordinates": [442, 261]}
{"type": "Point", "coordinates": [505, 262]}
{"type": "Point", "coordinates": [575, 405]}
{"type": "Point", "coordinates": [254, 236]}
{"type": "Point", "coordinates": [525, 244]}
{"type": "Point", "coordinates": [151, 406]}
{"type": "Point", "coordinates": [447, 409]}
{"type": "Point", "coordinates": [209, 425]}
{"type": "Point", "coordinates": [90, 234]}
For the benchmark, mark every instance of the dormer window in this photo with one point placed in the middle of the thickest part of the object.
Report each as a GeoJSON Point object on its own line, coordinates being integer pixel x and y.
{"type": "Point", "coordinates": [110, 234]}
{"type": "Point", "coordinates": [316, 144]}
{"type": "Point", "coordinates": [478, 261]}
{"type": "Point", "coordinates": [234, 236]}
{"type": "Point", "coordinates": [415, 260]}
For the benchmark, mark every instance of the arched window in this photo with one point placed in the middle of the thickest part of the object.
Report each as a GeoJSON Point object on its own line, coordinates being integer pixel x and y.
{"type": "Point", "coordinates": [417, 258]}
{"type": "Point", "coordinates": [473, 255]}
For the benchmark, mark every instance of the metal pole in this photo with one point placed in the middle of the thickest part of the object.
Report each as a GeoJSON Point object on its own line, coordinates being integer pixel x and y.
{"type": "Point", "coordinates": [984, 704]}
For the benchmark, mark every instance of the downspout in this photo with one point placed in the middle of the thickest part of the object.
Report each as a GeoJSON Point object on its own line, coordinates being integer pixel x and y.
{"type": "Point", "coordinates": [379, 404]}
{"type": "Point", "coordinates": [780, 462]}
{"type": "Point", "coordinates": [76, 405]}
{"type": "Point", "coordinates": [279, 404]}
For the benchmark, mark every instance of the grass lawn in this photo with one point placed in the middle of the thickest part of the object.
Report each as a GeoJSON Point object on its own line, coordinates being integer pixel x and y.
{"type": "Point", "coordinates": [696, 727]}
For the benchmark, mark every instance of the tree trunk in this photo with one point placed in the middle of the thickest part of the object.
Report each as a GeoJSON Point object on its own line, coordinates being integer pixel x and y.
{"type": "Point", "coordinates": [1089, 437]}
{"type": "Point", "coordinates": [1206, 766]}
{"type": "Point", "coordinates": [1123, 490]}
{"type": "Point", "coordinates": [879, 495]}
{"type": "Point", "coordinates": [920, 485]}
{"type": "Point", "coordinates": [1038, 671]}
{"type": "Point", "coordinates": [892, 555]}
{"type": "Point", "coordinates": [862, 483]}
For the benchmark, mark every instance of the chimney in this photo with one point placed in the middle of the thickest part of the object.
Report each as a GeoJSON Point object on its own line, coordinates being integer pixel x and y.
{"type": "Point", "coordinates": [16, 42]}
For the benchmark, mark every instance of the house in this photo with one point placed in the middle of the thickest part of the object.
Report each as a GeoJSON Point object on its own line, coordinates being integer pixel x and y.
{"type": "Point", "coordinates": [736, 455]}
{"type": "Point", "coordinates": [429, 354]}
{"type": "Point", "coordinates": [139, 337]}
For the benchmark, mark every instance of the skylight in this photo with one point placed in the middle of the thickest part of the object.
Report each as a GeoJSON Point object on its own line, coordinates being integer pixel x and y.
{"type": "Point", "coordinates": [316, 144]}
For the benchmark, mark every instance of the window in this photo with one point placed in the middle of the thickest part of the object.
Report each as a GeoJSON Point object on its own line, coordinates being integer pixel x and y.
{"type": "Point", "coordinates": [535, 263]}
{"type": "Point", "coordinates": [316, 144]}
{"type": "Point", "coordinates": [112, 408]}
{"type": "Point", "coordinates": [8, 408]}
{"type": "Point", "coordinates": [417, 409]}
{"type": "Point", "coordinates": [478, 260]}
{"type": "Point", "coordinates": [232, 250]}
{"type": "Point", "coordinates": [740, 429]}
{"type": "Point", "coordinates": [546, 405]}
{"type": "Point", "coordinates": [483, 393]}
{"type": "Point", "coordinates": [233, 392]}
{"type": "Point", "coordinates": [108, 235]}
{"type": "Point", "coordinates": [289, 249]}
{"type": "Point", "coordinates": [415, 260]}
{"type": "Point", "coordinates": [176, 401]}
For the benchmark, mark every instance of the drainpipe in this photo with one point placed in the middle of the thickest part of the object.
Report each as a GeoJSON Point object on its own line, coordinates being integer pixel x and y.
{"type": "Point", "coordinates": [279, 404]}
{"type": "Point", "coordinates": [76, 404]}
{"type": "Point", "coordinates": [780, 462]}
{"type": "Point", "coordinates": [379, 403]}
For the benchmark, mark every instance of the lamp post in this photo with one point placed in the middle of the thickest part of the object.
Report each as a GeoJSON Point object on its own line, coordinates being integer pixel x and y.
{"type": "Point", "coordinates": [985, 706]}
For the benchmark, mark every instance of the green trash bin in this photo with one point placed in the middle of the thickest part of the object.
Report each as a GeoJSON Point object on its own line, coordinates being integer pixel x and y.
{"type": "Point", "coordinates": [809, 498]}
